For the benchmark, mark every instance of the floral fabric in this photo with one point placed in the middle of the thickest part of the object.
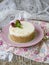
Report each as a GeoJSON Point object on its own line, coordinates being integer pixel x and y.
{"type": "Point", "coordinates": [39, 52]}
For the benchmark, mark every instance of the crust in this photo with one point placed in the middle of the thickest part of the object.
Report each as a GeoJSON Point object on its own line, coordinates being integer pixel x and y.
{"type": "Point", "coordinates": [23, 39]}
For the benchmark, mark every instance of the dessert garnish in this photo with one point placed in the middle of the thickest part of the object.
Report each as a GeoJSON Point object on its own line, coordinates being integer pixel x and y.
{"type": "Point", "coordinates": [17, 24]}
{"type": "Point", "coordinates": [13, 24]}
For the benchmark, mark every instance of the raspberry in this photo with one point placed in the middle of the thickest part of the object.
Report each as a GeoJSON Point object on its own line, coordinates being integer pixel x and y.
{"type": "Point", "coordinates": [13, 24]}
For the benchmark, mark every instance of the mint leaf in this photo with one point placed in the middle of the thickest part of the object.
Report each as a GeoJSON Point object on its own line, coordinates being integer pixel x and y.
{"type": "Point", "coordinates": [18, 24]}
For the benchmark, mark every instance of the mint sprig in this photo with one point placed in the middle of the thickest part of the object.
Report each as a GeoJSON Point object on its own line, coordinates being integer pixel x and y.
{"type": "Point", "coordinates": [18, 24]}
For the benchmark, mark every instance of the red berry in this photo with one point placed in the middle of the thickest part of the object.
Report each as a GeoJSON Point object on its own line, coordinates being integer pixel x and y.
{"type": "Point", "coordinates": [13, 24]}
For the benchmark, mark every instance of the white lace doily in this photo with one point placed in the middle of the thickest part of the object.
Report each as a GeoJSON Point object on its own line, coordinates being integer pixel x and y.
{"type": "Point", "coordinates": [17, 9]}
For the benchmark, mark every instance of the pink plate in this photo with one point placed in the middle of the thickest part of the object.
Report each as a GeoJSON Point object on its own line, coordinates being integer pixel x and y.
{"type": "Point", "coordinates": [35, 41]}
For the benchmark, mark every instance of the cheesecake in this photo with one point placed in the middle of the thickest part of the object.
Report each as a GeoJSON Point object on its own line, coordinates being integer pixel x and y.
{"type": "Point", "coordinates": [21, 31]}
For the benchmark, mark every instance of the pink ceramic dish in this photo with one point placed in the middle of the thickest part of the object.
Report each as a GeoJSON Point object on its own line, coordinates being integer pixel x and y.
{"type": "Point", "coordinates": [35, 41]}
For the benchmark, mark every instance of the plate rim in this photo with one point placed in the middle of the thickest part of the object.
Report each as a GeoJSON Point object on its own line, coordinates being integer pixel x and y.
{"type": "Point", "coordinates": [24, 44]}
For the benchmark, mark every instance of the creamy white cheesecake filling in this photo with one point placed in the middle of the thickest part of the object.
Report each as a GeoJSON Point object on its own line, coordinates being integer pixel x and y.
{"type": "Point", "coordinates": [27, 29]}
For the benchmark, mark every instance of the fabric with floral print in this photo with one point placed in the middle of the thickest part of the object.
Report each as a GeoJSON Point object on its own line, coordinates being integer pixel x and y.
{"type": "Point", "coordinates": [39, 52]}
